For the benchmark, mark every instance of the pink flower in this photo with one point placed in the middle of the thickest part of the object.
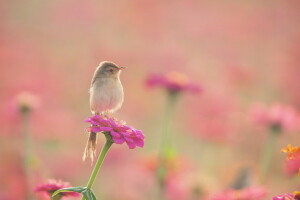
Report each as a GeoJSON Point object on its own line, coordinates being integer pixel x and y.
{"type": "Point", "coordinates": [292, 160]}
{"type": "Point", "coordinates": [292, 167]}
{"type": "Point", "coordinates": [279, 116]}
{"type": "Point", "coordinates": [288, 196]}
{"type": "Point", "coordinates": [26, 101]}
{"type": "Point", "coordinates": [52, 185]}
{"type": "Point", "coordinates": [250, 193]}
{"type": "Point", "coordinates": [118, 130]}
{"type": "Point", "coordinates": [254, 193]}
{"type": "Point", "coordinates": [177, 176]}
{"type": "Point", "coordinates": [173, 82]}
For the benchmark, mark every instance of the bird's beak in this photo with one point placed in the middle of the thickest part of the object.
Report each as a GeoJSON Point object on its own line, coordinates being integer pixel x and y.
{"type": "Point", "coordinates": [121, 68]}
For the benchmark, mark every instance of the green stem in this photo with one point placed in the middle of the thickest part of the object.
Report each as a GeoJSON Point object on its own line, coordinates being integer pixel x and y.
{"type": "Point", "coordinates": [27, 152]}
{"type": "Point", "coordinates": [169, 112]}
{"type": "Point", "coordinates": [57, 197]}
{"type": "Point", "coordinates": [268, 153]}
{"type": "Point", "coordinates": [101, 157]}
{"type": "Point", "coordinates": [165, 148]}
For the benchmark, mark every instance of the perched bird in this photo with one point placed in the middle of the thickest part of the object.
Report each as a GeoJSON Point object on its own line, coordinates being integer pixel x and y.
{"type": "Point", "coordinates": [106, 96]}
{"type": "Point", "coordinates": [106, 92]}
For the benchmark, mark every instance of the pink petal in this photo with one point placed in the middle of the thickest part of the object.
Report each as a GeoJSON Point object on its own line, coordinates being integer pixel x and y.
{"type": "Point", "coordinates": [131, 145]}
{"type": "Point", "coordinates": [114, 134]}
{"type": "Point", "coordinates": [118, 140]}
{"type": "Point", "coordinates": [139, 143]}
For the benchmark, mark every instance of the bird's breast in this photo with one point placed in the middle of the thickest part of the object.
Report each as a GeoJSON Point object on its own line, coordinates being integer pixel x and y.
{"type": "Point", "coordinates": [106, 95]}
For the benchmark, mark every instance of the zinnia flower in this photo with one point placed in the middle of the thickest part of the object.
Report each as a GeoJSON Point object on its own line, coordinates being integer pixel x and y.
{"type": "Point", "coordinates": [174, 174]}
{"type": "Point", "coordinates": [293, 158]}
{"type": "Point", "coordinates": [292, 152]}
{"type": "Point", "coordinates": [250, 193]}
{"type": "Point", "coordinates": [173, 82]}
{"type": "Point", "coordinates": [278, 116]}
{"type": "Point", "coordinates": [292, 167]}
{"type": "Point", "coordinates": [288, 196]}
{"type": "Point", "coordinates": [118, 130]}
{"type": "Point", "coordinates": [52, 185]}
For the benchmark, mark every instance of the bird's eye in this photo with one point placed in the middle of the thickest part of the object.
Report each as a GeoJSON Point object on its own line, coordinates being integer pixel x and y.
{"type": "Point", "coordinates": [111, 70]}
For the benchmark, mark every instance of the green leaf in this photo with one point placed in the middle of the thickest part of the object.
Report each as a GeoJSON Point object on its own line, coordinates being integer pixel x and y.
{"type": "Point", "coordinates": [94, 197]}
{"type": "Point", "coordinates": [89, 195]}
{"type": "Point", "coordinates": [86, 195]}
{"type": "Point", "coordinates": [72, 189]}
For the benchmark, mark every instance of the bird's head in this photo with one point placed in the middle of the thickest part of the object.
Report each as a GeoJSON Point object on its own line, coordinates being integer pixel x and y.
{"type": "Point", "coordinates": [108, 69]}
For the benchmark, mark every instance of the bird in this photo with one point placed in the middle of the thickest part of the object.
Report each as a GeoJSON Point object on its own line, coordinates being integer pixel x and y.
{"type": "Point", "coordinates": [106, 91]}
{"type": "Point", "coordinates": [106, 97]}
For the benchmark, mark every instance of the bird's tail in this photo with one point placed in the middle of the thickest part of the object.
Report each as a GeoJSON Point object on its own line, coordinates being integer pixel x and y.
{"type": "Point", "coordinates": [90, 148]}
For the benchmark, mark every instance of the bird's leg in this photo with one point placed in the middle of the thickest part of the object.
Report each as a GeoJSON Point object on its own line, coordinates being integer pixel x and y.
{"type": "Point", "coordinates": [106, 114]}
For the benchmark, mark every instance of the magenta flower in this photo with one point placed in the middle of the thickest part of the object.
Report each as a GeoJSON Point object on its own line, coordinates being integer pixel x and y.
{"type": "Point", "coordinates": [173, 82]}
{"type": "Point", "coordinates": [52, 185]}
{"type": "Point", "coordinates": [288, 196]}
{"type": "Point", "coordinates": [279, 116]}
{"type": "Point", "coordinates": [118, 130]}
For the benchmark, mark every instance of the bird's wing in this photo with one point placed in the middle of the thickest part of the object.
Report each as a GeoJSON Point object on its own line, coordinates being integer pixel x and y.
{"type": "Point", "coordinates": [95, 76]}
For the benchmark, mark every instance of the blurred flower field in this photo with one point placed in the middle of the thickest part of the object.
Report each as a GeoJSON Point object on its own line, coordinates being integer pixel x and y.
{"type": "Point", "coordinates": [211, 87]}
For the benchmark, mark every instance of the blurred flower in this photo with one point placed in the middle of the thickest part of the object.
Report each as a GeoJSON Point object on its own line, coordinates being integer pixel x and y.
{"type": "Point", "coordinates": [297, 195]}
{"type": "Point", "coordinates": [277, 116]}
{"type": "Point", "coordinates": [173, 82]}
{"type": "Point", "coordinates": [288, 196]}
{"type": "Point", "coordinates": [175, 175]}
{"type": "Point", "coordinates": [52, 185]}
{"type": "Point", "coordinates": [26, 101]}
{"type": "Point", "coordinates": [118, 130]}
{"type": "Point", "coordinates": [284, 197]}
{"type": "Point", "coordinates": [250, 193]}
{"type": "Point", "coordinates": [293, 159]}
{"type": "Point", "coordinates": [292, 167]}
{"type": "Point", "coordinates": [178, 186]}
{"type": "Point", "coordinates": [292, 152]}
{"type": "Point", "coordinates": [172, 163]}
{"type": "Point", "coordinates": [218, 114]}
{"type": "Point", "coordinates": [169, 178]}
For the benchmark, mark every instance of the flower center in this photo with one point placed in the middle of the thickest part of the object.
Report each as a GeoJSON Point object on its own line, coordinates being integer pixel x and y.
{"type": "Point", "coordinates": [177, 77]}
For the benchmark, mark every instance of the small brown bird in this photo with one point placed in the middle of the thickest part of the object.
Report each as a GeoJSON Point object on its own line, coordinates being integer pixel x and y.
{"type": "Point", "coordinates": [106, 92]}
{"type": "Point", "coordinates": [106, 96]}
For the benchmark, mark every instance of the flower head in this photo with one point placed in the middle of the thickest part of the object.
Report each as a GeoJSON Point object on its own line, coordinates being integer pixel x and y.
{"type": "Point", "coordinates": [292, 167]}
{"type": "Point", "coordinates": [26, 101]}
{"type": "Point", "coordinates": [288, 196]}
{"type": "Point", "coordinates": [118, 130]}
{"type": "Point", "coordinates": [174, 173]}
{"type": "Point", "coordinates": [293, 159]}
{"type": "Point", "coordinates": [277, 116]}
{"type": "Point", "coordinates": [250, 193]}
{"type": "Point", "coordinates": [173, 82]}
{"type": "Point", "coordinates": [292, 152]}
{"type": "Point", "coordinates": [52, 185]}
